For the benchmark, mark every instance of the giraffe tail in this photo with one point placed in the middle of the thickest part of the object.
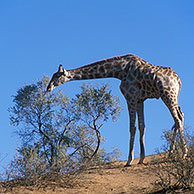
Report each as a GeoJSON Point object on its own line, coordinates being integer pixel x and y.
{"type": "Point", "coordinates": [180, 113]}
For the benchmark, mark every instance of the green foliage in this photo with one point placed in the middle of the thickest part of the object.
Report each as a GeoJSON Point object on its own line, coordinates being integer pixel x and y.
{"type": "Point", "coordinates": [97, 103]}
{"type": "Point", "coordinates": [58, 133]}
{"type": "Point", "coordinates": [42, 119]}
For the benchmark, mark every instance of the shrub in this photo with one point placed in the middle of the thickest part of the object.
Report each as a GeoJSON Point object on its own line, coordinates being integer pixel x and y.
{"type": "Point", "coordinates": [174, 172]}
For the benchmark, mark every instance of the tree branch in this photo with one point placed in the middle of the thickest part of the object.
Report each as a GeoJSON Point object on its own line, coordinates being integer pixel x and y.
{"type": "Point", "coordinates": [98, 135]}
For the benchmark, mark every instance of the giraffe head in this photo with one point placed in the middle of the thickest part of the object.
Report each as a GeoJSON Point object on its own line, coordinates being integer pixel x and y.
{"type": "Point", "coordinates": [58, 78]}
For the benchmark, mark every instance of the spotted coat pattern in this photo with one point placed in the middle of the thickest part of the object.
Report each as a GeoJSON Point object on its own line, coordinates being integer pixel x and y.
{"type": "Point", "coordinates": [140, 80]}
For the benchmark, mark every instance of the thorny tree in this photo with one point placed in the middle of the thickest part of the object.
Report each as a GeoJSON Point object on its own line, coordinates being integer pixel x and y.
{"type": "Point", "coordinates": [56, 129]}
{"type": "Point", "coordinates": [43, 120]}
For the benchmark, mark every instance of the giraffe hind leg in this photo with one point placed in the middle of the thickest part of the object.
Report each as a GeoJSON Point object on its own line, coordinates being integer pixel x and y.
{"type": "Point", "coordinates": [178, 126]}
{"type": "Point", "coordinates": [181, 133]}
{"type": "Point", "coordinates": [172, 143]}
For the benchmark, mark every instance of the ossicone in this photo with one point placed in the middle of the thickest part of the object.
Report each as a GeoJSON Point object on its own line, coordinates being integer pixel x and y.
{"type": "Point", "coordinates": [60, 68]}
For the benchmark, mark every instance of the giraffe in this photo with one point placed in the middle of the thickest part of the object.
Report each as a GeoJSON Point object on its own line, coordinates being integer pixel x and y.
{"type": "Point", "coordinates": [140, 80]}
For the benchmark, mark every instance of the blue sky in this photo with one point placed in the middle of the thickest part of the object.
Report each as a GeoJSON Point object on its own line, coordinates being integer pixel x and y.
{"type": "Point", "coordinates": [36, 36]}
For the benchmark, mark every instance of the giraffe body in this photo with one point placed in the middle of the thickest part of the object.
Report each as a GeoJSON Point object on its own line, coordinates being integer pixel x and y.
{"type": "Point", "coordinates": [140, 80]}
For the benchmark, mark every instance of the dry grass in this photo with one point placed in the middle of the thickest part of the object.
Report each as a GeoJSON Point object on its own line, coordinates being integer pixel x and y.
{"type": "Point", "coordinates": [110, 178]}
{"type": "Point", "coordinates": [43, 182]}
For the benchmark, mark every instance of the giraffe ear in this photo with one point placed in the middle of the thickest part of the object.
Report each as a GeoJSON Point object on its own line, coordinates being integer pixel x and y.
{"type": "Point", "coordinates": [60, 68]}
{"type": "Point", "coordinates": [65, 72]}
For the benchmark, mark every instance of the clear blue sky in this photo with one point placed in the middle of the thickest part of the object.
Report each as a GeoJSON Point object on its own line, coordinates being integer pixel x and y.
{"type": "Point", "coordinates": [36, 36]}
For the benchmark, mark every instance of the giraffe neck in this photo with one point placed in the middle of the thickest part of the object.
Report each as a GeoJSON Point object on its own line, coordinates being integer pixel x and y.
{"type": "Point", "coordinates": [112, 67]}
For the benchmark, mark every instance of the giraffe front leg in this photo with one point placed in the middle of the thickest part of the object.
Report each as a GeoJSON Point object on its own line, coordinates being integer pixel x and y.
{"type": "Point", "coordinates": [132, 115]}
{"type": "Point", "coordinates": [141, 126]}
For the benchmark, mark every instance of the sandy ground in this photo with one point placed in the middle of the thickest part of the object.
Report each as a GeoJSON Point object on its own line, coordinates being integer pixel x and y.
{"type": "Point", "coordinates": [111, 178]}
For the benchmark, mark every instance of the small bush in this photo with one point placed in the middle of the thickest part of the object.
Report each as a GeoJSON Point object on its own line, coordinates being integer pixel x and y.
{"type": "Point", "coordinates": [174, 172]}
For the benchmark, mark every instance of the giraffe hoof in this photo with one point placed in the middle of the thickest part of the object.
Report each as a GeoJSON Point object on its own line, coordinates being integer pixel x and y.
{"type": "Point", "coordinates": [141, 163]}
{"type": "Point", "coordinates": [127, 165]}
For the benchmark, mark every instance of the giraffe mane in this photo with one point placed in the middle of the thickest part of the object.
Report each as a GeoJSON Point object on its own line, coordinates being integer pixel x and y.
{"type": "Point", "coordinates": [111, 59]}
